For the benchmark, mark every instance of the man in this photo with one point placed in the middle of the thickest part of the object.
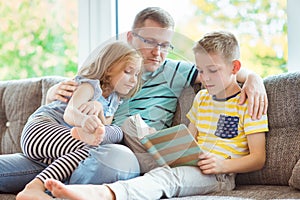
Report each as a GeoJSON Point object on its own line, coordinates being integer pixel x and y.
{"type": "Point", "coordinates": [151, 35]}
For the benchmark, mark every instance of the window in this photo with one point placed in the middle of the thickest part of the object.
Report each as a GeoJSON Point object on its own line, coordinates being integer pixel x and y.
{"type": "Point", "coordinates": [38, 38]}
{"type": "Point", "coordinates": [54, 37]}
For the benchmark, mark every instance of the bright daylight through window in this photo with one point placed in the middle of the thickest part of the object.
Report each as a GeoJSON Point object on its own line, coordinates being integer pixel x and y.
{"type": "Point", "coordinates": [38, 38]}
{"type": "Point", "coordinates": [41, 38]}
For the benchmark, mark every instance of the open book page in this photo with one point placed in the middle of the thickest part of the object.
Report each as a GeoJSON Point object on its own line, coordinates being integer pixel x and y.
{"type": "Point", "coordinates": [174, 146]}
{"type": "Point", "coordinates": [141, 127]}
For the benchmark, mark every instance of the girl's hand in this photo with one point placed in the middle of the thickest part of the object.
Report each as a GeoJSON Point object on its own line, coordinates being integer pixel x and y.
{"type": "Point", "coordinates": [91, 123]}
{"type": "Point", "coordinates": [210, 164]}
{"type": "Point", "coordinates": [91, 108]}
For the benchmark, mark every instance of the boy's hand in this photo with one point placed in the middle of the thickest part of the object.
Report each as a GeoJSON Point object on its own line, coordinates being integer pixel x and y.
{"type": "Point", "coordinates": [210, 164]}
{"type": "Point", "coordinates": [61, 91]}
{"type": "Point", "coordinates": [255, 91]}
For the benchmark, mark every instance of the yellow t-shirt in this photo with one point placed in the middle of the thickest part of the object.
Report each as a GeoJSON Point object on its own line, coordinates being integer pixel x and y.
{"type": "Point", "coordinates": [223, 124]}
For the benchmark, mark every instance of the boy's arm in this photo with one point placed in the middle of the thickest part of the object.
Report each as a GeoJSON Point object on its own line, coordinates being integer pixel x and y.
{"type": "Point", "coordinates": [255, 160]}
{"type": "Point", "coordinates": [192, 128]}
{"type": "Point", "coordinates": [61, 91]}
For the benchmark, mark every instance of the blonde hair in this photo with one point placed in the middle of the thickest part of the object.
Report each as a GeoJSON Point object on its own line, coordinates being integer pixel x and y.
{"type": "Point", "coordinates": [220, 42]}
{"type": "Point", "coordinates": [109, 56]}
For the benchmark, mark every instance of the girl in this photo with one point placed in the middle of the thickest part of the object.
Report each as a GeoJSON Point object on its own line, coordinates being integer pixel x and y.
{"type": "Point", "coordinates": [115, 74]}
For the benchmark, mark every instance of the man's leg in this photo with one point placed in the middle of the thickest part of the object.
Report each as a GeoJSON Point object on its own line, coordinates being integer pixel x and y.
{"type": "Point", "coordinates": [16, 171]}
{"type": "Point", "coordinates": [131, 139]}
{"type": "Point", "coordinates": [106, 164]}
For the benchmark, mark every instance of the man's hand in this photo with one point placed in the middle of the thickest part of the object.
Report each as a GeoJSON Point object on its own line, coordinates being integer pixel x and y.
{"type": "Point", "coordinates": [255, 91]}
{"type": "Point", "coordinates": [61, 91]}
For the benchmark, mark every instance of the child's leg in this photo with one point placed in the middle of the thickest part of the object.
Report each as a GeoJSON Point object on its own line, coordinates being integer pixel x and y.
{"type": "Point", "coordinates": [103, 165]}
{"type": "Point", "coordinates": [34, 190]}
{"type": "Point", "coordinates": [47, 141]}
{"type": "Point", "coordinates": [164, 181]}
{"type": "Point", "coordinates": [93, 139]}
{"type": "Point", "coordinates": [167, 182]}
{"type": "Point", "coordinates": [79, 192]}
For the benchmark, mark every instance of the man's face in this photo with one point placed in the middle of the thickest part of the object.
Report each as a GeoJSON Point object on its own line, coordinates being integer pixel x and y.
{"type": "Point", "coordinates": [153, 42]}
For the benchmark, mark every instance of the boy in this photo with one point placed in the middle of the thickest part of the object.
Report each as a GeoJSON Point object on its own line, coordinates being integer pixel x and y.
{"type": "Point", "coordinates": [232, 142]}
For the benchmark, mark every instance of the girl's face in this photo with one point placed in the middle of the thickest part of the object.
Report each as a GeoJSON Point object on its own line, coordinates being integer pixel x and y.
{"type": "Point", "coordinates": [125, 76]}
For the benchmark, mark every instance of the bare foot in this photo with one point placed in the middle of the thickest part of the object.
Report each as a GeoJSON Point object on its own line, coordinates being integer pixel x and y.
{"type": "Point", "coordinates": [93, 139]}
{"type": "Point", "coordinates": [78, 192]}
{"type": "Point", "coordinates": [33, 191]}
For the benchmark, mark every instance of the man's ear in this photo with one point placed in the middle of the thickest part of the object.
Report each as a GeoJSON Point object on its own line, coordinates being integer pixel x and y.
{"type": "Point", "coordinates": [236, 66]}
{"type": "Point", "coordinates": [129, 37]}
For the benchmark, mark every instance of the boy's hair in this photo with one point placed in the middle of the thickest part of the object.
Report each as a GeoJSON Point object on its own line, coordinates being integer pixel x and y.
{"type": "Point", "coordinates": [113, 53]}
{"type": "Point", "coordinates": [220, 42]}
{"type": "Point", "coordinates": [156, 14]}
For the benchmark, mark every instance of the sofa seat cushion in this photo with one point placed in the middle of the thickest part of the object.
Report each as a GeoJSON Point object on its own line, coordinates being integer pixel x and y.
{"type": "Point", "coordinates": [295, 178]}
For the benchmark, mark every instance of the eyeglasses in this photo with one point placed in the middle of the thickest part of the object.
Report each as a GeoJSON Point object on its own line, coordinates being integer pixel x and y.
{"type": "Point", "coordinates": [165, 47]}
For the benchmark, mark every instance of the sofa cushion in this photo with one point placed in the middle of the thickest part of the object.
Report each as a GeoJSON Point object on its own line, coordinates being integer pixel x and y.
{"type": "Point", "coordinates": [18, 100]}
{"type": "Point", "coordinates": [283, 138]}
{"type": "Point", "coordinates": [295, 178]}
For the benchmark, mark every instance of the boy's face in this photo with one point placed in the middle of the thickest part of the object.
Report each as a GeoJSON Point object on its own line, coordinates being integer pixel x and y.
{"type": "Point", "coordinates": [153, 54]}
{"type": "Point", "coordinates": [216, 75]}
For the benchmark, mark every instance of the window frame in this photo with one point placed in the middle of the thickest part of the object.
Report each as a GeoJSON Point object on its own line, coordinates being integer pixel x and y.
{"type": "Point", "coordinates": [97, 23]}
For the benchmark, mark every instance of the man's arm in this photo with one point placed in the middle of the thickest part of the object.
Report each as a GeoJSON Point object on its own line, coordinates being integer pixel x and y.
{"type": "Point", "coordinates": [253, 89]}
{"type": "Point", "coordinates": [61, 91]}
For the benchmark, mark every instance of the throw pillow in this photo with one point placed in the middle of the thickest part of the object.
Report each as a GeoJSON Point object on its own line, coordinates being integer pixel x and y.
{"type": "Point", "coordinates": [295, 178]}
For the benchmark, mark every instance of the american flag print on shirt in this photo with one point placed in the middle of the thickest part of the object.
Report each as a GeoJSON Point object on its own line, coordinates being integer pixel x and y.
{"type": "Point", "coordinates": [227, 127]}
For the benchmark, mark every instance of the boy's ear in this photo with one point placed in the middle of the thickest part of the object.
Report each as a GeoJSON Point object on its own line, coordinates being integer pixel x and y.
{"type": "Point", "coordinates": [236, 66]}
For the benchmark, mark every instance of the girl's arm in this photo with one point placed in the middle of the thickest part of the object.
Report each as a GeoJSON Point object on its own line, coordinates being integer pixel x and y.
{"type": "Point", "coordinates": [108, 120]}
{"type": "Point", "coordinates": [255, 160]}
{"type": "Point", "coordinates": [82, 94]}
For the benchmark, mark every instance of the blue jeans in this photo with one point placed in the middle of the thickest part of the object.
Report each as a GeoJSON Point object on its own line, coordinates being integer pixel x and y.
{"type": "Point", "coordinates": [106, 164]}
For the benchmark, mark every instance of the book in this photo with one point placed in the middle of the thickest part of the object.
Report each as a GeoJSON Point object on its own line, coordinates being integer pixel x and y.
{"type": "Point", "coordinates": [174, 146]}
